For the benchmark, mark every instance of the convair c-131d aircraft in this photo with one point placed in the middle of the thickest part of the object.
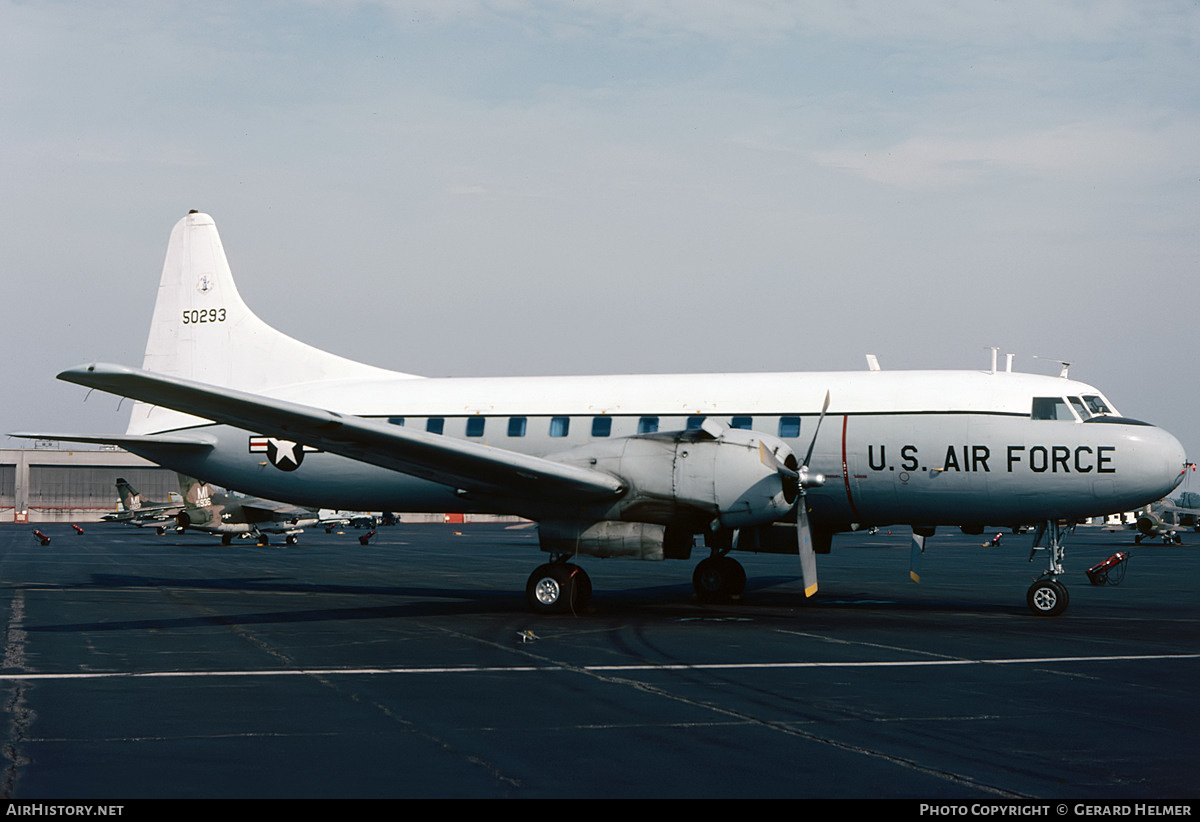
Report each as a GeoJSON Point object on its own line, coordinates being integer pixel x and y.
{"type": "Point", "coordinates": [622, 466]}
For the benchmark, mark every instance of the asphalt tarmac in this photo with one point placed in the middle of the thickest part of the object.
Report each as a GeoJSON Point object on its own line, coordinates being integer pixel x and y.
{"type": "Point", "coordinates": [145, 666]}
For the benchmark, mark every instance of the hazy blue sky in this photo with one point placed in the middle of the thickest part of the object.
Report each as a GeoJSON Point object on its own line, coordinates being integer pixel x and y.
{"type": "Point", "coordinates": [511, 187]}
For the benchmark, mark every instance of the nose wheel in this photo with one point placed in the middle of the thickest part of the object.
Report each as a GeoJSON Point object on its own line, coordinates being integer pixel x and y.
{"type": "Point", "coordinates": [1047, 597]}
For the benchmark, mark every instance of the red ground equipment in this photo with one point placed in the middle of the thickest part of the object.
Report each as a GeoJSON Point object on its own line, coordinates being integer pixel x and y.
{"type": "Point", "coordinates": [42, 538]}
{"type": "Point", "coordinates": [1109, 572]}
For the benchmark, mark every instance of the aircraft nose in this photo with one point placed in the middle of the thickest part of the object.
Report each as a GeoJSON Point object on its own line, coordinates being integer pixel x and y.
{"type": "Point", "coordinates": [1161, 460]}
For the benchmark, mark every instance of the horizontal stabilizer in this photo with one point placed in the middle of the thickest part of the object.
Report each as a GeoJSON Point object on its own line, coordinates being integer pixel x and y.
{"type": "Point", "coordinates": [465, 465]}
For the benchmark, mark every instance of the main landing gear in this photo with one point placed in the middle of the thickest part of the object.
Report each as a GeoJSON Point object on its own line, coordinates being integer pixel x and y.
{"type": "Point", "coordinates": [558, 587]}
{"type": "Point", "coordinates": [719, 578]}
{"type": "Point", "coordinates": [1047, 596]}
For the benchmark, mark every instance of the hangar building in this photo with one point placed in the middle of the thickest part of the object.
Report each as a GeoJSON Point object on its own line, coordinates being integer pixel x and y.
{"type": "Point", "coordinates": [49, 484]}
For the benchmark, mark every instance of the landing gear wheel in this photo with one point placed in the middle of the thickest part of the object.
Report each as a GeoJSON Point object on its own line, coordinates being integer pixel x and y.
{"type": "Point", "coordinates": [263, 539]}
{"type": "Point", "coordinates": [291, 539]}
{"type": "Point", "coordinates": [557, 588]}
{"type": "Point", "coordinates": [226, 539]}
{"type": "Point", "coordinates": [718, 579]}
{"type": "Point", "coordinates": [1047, 597]}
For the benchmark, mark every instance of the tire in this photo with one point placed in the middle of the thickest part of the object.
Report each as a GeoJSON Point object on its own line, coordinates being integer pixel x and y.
{"type": "Point", "coordinates": [557, 588]}
{"type": "Point", "coordinates": [717, 579]}
{"type": "Point", "coordinates": [1047, 597]}
{"type": "Point", "coordinates": [709, 580]}
{"type": "Point", "coordinates": [736, 576]}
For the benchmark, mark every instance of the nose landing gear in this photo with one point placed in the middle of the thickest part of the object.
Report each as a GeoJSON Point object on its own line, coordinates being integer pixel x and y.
{"type": "Point", "coordinates": [1047, 596]}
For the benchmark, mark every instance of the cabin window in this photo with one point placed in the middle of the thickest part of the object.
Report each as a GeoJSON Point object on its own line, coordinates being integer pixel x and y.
{"type": "Point", "coordinates": [1097, 405]}
{"type": "Point", "coordinates": [1051, 408]}
{"type": "Point", "coordinates": [695, 421]}
{"type": "Point", "coordinates": [789, 426]}
{"type": "Point", "coordinates": [559, 426]}
{"type": "Point", "coordinates": [516, 426]}
{"type": "Point", "coordinates": [475, 426]}
{"type": "Point", "coordinates": [744, 423]}
{"type": "Point", "coordinates": [396, 421]}
{"type": "Point", "coordinates": [648, 425]}
{"type": "Point", "coordinates": [601, 426]}
{"type": "Point", "coordinates": [435, 425]}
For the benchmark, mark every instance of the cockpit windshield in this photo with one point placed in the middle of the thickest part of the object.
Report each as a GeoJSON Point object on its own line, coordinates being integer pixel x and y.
{"type": "Point", "coordinates": [1098, 406]}
{"type": "Point", "coordinates": [1051, 408]}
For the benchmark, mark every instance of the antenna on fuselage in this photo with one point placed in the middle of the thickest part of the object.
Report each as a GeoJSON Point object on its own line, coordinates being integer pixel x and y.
{"type": "Point", "coordinates": [1065, 365]}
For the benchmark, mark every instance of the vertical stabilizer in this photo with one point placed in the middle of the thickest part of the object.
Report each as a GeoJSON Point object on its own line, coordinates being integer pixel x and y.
{"type": "Point", "coordinates": [131, 500]}
{"type": "Point", "coordinates": [203, 331]}
{"type": "Point", "coordinates": [197, 499]}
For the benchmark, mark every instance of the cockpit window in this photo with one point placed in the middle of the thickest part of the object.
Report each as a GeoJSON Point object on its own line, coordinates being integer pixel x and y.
{"type": "Point", "coordinates": [1051, 408]}
{"type": "Point", "coordinates": [1097, 405]}
{"type": "Point", "coordinates": [1080, 408]}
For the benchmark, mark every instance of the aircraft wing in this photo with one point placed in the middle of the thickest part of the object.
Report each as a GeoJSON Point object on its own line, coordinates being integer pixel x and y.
{"type": "Point", "coordinates": [120, 439]}
{"type": "Point", "coordinates": [265, 510]}
{"type": "Point", "coordinates": [460, 464]}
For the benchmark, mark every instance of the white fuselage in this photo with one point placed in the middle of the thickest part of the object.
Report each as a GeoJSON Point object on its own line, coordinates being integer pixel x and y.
{"type": "Point", "coordinates": [922, 447]}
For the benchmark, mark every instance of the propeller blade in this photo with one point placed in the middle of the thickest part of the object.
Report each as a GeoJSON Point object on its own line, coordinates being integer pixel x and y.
{"type": "Point", "coordinates": [817, 430]}
{"type": "Point", "coordinates": [914, 558]}
{"type": "Point", "coordinates": [804, 542]}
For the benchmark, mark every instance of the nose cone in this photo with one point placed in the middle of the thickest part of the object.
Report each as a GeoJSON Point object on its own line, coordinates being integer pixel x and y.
{"type": "Point", "coordinates": [1156, 464]}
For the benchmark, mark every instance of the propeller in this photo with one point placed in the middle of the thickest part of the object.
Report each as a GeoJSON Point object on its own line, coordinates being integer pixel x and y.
{"type": "Point", "coordinates": [803, 479]}
{"type": "Point", "coordinates": [804, 538]}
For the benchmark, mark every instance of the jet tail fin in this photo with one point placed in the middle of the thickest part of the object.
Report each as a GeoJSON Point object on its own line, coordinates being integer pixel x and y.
{"type": "Point", "coordinates": [131, 500]}
{"type": "Point", "coordinates": [202, 330]}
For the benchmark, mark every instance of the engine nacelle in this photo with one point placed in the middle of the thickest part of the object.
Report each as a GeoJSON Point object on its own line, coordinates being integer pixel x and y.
{"type": "Point", "coordinates": [608, 538]}
{"type": "Point", "coordinates": [714, 476]}
{"type": "Point", "coordinates": [1149, 524]}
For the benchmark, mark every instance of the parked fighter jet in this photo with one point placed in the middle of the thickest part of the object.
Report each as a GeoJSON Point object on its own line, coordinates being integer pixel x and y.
{"type": "Point", "coordinates": [1167, 517]}
{"type": "Point", "coordinates": [216, 511]}
{"type": "Point", "coordinates": [141, 512]}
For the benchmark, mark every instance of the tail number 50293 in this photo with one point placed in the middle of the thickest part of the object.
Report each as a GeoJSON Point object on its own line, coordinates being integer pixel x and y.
{"type": "Point", "coordinates": [204, 315]}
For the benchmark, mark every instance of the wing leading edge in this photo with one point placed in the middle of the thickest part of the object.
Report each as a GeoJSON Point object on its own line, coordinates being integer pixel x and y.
{"type": "Point", "coordinates": [465, 465]}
